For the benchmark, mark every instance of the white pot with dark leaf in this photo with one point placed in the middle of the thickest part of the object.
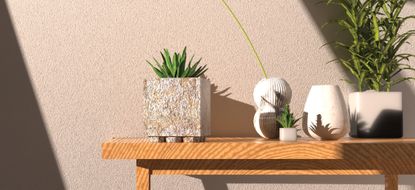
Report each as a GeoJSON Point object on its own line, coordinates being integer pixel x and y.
{"type": "Point", "coordinates": [325, 114]}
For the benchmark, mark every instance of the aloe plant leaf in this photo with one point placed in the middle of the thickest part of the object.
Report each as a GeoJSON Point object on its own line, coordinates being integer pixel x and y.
{"type": "Point", "coordinates": [157, 71]}
{"type": "Point", "coordinates": [175, 66]}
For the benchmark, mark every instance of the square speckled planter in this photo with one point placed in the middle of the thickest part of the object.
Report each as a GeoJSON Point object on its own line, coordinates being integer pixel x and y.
{"type": "Point", "coordinates": [177, 109]}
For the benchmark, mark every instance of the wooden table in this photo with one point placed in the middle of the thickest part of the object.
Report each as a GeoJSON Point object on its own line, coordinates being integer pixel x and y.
{"type": "Point", "coordinates": [254, 156]}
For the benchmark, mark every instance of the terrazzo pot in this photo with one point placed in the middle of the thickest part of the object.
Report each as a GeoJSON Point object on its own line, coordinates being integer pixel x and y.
{"type": "Point", "coordinates": [325, 114]}
{"type": "Point", "coordinates": [177, 109]}
{"type": "Point", "coordinates": [270, 95]}
{"type": "Point", "coordinates": [376, 114]}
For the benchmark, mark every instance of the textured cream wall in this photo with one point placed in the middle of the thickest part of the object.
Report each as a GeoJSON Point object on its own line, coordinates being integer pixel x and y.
{"type": "Point", "coordinates": [85, 62]}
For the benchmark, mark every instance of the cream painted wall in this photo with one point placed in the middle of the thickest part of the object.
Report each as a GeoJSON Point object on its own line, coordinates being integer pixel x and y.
{"type": "Point", "coordinates": [85, 62]}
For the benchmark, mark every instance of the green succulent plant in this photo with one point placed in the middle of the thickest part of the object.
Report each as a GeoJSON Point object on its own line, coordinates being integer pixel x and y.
{"type": "Point", "coordinates": [374, 58]}
{"type": "Point", "coordinates": [287, 119]}
{"type": "Point", "coordinates": [175, 67]}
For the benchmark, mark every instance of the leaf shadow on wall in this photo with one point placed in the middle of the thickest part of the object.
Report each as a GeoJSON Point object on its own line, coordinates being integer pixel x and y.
{"type": "Point", "coordinates": [230, 118]}
{"type": "Point", "coordinates": [27, 160]}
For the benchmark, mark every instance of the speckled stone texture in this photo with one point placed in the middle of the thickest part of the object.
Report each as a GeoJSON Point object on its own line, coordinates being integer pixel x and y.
{"type": "Point", "coordinates": [177, 107]}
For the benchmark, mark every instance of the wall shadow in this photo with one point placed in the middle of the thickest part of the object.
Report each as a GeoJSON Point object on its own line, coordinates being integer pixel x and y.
{"type": "Point", "coordinates": [408, 99]}
{"type": "Point", "coordinates": [230, 118]}
{"type": "Point", "coordinates": [322, 15]}
{"type": "Point", "coordinates": [27, 160]}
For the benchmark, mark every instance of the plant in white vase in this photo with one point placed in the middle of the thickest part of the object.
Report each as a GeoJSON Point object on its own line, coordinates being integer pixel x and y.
{"type": "Point", "coordinates": [270, 94]}
{"type": "Point", "coordinates": [376, 64]}
{"type": "Point", "coordinates": [287, 121]}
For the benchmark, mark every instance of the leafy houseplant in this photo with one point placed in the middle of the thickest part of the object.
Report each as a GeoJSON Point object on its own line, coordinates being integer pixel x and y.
{"type": "Point", "coordinates": [287, 121]}
{"type": "Point", "coordinates": [375, 62]}
{"type": "Point", "coordinates": [177, 103]}
{"type": "Point", "coordinates": [176, 67]}
{"type": "Point", "coordinates": [265, 91]}
{"type": "Point", "coordinates": [374, 25]}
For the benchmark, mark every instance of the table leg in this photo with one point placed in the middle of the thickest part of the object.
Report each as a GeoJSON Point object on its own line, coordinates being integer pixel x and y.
{"type": "Point", "coordinates": [391, 182]}
{"type": "Point", "coordinates": [142, 178]}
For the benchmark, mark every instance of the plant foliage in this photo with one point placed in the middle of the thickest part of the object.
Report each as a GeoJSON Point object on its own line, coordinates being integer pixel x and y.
{"type": "Point", "coordinates": [246, 37]}
{"type": "Point", "coordinates": [175, 67]}
{"type": "Point", "coordinates": [374, 25]}
{"type": "Point", "coordinates": [287, 119]}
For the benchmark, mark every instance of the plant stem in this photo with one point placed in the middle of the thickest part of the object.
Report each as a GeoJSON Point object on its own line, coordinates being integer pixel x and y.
{"type": "Point", "coordinates": [246, 37]}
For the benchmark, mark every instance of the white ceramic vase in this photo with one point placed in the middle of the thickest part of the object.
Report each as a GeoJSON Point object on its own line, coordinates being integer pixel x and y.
{"type": "Point", "coordinates": [270, 95]}
{"type": "Point", "coordinates": [325, 114]}
{"type": "Point", "coordinates": [288, 134]}
{"type": "Point", "coordinates": [273, 91]}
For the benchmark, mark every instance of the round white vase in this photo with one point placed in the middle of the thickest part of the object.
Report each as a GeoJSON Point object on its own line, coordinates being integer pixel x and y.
{"type": "Point", "coordinates": [270, 95]}
{"type": "Point", "coordinates": [274, 91]}
{"type": "Point", "coordinates": [325, 114]}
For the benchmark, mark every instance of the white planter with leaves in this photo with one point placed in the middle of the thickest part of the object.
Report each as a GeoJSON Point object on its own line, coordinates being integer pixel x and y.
{"type": "Point", "coordinates": [375, 62]}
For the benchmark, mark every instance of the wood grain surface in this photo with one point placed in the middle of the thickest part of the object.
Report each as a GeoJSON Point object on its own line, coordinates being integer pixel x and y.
{"type": "Point", "coordinates": [256, 148]}
{"type": "Point", "coordinates": [255, 156]}
{"type": "Point", "coordinates": [143, 178]}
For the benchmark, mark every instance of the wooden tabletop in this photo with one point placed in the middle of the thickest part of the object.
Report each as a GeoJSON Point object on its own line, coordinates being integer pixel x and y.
{"type": "Point", "coordinates": [258, 148]}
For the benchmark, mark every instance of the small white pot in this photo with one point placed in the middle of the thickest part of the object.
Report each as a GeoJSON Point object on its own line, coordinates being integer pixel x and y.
{"type": "Point", "coordinates": [376, 114]}
{"type": "Point", "coordinates": [288, 134]}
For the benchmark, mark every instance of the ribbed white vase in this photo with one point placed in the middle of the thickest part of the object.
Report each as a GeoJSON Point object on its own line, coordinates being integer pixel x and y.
{"type": "Point", "coordinates": [276, 91]}
{"type": "Point", "coordinates": [270, 95]}
{"type": "Point", "coordinates": [325, 114]}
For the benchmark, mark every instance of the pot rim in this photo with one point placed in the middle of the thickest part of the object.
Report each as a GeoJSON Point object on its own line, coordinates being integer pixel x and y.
{"type": "Point", "coordinates": [376, 92]}
{"type": "Point", "coordinates": [288, 128]}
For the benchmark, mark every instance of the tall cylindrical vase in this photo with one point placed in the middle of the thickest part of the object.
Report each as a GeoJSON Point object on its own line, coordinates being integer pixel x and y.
{"type": "Point", "coordinates": [325, 114]}
{"type": "Point", "coordinates": [270, 96]}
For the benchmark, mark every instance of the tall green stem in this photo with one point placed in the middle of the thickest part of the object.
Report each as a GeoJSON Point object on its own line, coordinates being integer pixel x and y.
{"type": "Point", "coordinates": [246, 37]}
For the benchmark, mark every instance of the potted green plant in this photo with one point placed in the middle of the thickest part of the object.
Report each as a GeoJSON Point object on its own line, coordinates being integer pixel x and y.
{"type": "Point", "coordinates": [177, 103]}
{"type": "Point", "coordinates": [287, 121]}
{"type": "Point", "coordinates": [376, 64]}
